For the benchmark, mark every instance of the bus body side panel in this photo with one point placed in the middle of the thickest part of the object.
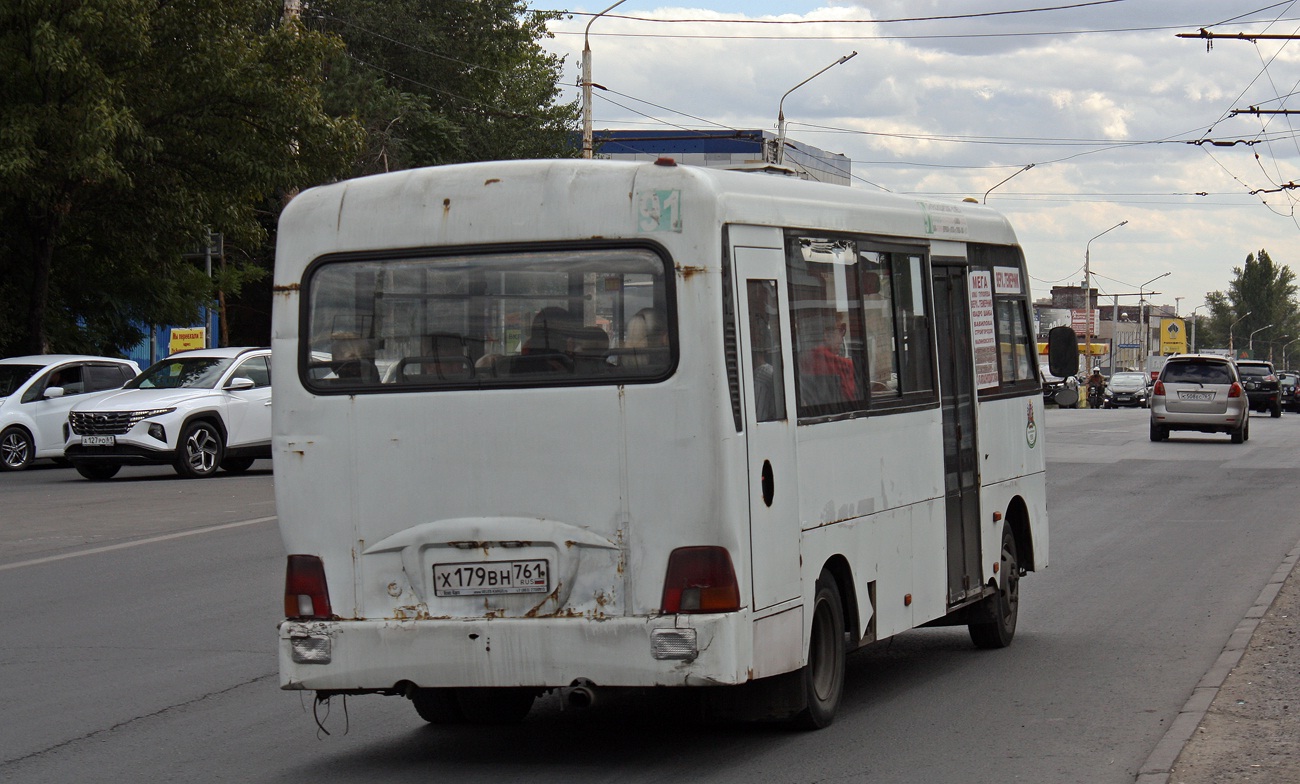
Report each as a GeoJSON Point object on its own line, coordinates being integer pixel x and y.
{"type": "Point", "coordinates": [885, 503]}
{"type": "Point", "coordinates": [1011, 471]}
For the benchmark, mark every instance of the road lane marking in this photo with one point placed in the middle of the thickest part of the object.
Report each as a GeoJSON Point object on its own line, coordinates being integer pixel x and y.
{"type": "Point", "coordinates": [136, 543]}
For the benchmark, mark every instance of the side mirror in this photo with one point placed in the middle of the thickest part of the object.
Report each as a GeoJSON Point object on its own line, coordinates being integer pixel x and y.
{"type": "Point", "coordinates": [53, 392]}
{"type": "Point", "coordinates": [1062, 351]}
{"type": "Point", "coordinates": [239, 384]}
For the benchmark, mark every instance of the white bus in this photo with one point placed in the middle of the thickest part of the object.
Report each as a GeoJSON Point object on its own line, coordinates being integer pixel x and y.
{"type": "Point", "coordinates": [588, 425]}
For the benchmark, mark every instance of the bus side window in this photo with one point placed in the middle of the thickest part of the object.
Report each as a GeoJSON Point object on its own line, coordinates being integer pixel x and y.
{"type": "Point", "coordinates": [765, 339]}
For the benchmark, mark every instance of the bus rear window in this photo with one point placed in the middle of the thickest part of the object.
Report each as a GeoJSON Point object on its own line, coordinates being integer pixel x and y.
{"type": "Point", "coordinates": [522, 318]}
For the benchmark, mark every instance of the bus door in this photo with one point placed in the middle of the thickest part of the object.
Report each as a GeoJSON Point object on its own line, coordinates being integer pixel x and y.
{"type": "Point", "coordinates": [960, 450]}
{"type": "Point", "coordinates": [764, 341]}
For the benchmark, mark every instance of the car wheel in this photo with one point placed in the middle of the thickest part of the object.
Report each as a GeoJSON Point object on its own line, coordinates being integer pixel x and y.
{"type": "Point", "coordinates": [823, 675]}
{"type": "Point", "coordinates": [1240, 435]}
{"type": "Point", "coordinates": [16, 449]}
{"type": "Point", "coordinates": [200, 450]}
{"type": "Point", "coordinates": [98, 472]}
{"type": "Point", "coordinates": [1159, 432]}
{"type": "Point", "coordinates": [237, 465]}
{"type": "Point", "coordinates": [1276, 410]}
{"type": "Point", "coordinates": [1002, 608]}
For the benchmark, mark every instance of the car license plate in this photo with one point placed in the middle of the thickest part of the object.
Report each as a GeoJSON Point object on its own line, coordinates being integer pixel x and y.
{"type": "Point", "coordinates": [1195, 395]}
{"type": "Point", "coordinates": [493, 577]}
{"type": "Point", "coordinates": [98, 440]}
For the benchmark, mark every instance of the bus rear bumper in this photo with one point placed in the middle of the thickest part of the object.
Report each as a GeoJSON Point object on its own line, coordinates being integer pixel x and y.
{"type": "Point", "coordinates": [393, 655]}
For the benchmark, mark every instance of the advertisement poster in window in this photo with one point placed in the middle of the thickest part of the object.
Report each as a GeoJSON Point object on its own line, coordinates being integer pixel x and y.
{"type": "Point", "coordinates": [983, 330]}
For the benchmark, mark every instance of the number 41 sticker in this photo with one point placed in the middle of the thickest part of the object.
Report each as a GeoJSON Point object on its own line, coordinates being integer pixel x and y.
{"type": "Point", "coordinates": [659, 210]}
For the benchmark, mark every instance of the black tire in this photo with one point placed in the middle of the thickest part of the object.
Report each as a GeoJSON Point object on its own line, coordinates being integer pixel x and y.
{"type": "Point", "coordinates": [1241, 434]}
{"type": "Point", "coordinates": [438, 706]}
{"type": "Point", "coordinates": [199, 450]}
{"type": "Point", "coordinates": [98, 472]}
{"type": "Point", "coordinates": [237, 465]}
{"type": "Point", "coordinates": [1275, 410]}
{"type": "Point", "coordinates": [495, 706]}
{"type": "Point", "coordinates": [16, 449]}
{"type": "Point", "coordinates": [1159, 432]}
{"type": "Point", "coordinates": [1002, 608]}
{"type": "Point", "coordinates": [823, 675]}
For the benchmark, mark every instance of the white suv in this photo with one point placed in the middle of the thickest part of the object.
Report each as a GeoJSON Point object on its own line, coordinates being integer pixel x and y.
{"type": "Point", "coordinates": [197, 411]}
{"type": "Point", "coordinates": [35, 395]}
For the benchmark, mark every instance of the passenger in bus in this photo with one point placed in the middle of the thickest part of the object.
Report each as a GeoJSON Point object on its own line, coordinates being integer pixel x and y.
{"type": "Point", "coordinates": [553, 328]}
{"type": "Point", "coordinates": [647, 335]}
{"type": "Point", "coordinates": [826, 359]}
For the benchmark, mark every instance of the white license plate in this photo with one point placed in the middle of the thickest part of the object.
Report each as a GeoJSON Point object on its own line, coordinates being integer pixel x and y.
{"type": "Point", "coordinates": [1195, 395]}
{"type": "Point", "coordinates": [98, 440]}
{"type": "Point", "coordinates": [493, 577]}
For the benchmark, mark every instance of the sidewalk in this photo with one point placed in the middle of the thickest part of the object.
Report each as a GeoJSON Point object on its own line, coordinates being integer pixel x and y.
{"type": "Point", "coordinates": [1242, 723]}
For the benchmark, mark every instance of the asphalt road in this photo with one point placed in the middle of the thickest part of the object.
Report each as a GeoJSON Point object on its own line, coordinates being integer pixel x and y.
{"type": "Point", "coordinates": [138, 630]}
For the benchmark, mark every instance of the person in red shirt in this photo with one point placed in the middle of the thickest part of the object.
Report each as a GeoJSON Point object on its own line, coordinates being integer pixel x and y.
{"type": "Point", "coordinates": [827, 359]}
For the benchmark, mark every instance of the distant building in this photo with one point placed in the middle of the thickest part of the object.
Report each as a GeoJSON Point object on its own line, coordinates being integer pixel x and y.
{"type": "Point", "coordinates": [745, 149]}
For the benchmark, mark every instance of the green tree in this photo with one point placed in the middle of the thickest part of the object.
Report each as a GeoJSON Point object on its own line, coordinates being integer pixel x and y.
{"type": "Point", "coordinates": [446, 81]}
{"type": "Point", "coordinates": [1262, 293]}
{"type": "Point", "coordinates": [127, 129]}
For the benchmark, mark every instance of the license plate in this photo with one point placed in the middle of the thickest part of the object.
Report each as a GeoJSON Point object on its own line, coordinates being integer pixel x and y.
{"type": "Point", "coordinates": [1195, 395]}
{"type": "Point", "coordinates": [493, 577]}
{"type": "Point", "coordinates": [98, 440]}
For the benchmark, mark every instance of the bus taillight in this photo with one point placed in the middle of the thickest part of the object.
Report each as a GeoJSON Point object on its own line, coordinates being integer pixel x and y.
{"type": "Point", "coordinates": [699, 580]}
{"type": "Point", "coordinates": [306, 596]}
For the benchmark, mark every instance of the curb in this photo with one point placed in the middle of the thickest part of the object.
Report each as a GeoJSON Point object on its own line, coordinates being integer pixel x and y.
{"type": "Point", "coordinates": [1160, 763]}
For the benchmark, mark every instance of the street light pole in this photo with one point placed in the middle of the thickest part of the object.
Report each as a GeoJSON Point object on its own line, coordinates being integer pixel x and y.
{"type": "Point", "coordinates": [1087, 289]}
{"type": "Point", "coordinates": [780, 109]}
{"type": "Point", "coordinates": [1144, 317]}
{"type": "Point", "coordinates": [1284, 365]}
{"type": "Point", "coordinates": [1250, 342]}
{"type": "Point", "coordinates": [1194, 319]}
{"type": "Point", "coordinates": [1020, 171]}
{"type": "Point", "coordinates": [1231, 347]}
{"type": "Point", "coordinates": [586, 81]}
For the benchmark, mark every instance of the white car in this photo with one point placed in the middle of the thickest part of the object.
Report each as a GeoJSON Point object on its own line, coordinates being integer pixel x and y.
{"type": "Point", "coordinates": [36, 393]}
{"type": "Point", "coordinates": [196, 411]}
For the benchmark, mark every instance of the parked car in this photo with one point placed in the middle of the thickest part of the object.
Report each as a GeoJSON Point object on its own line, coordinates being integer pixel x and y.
{"type": "Point", "coordinates": [1288, 384]}
{"type": "Point", "coordinates": [1260, 382]}
{"type": "Point", "coordinates": [1199, 392]}
{"type": "Point", "coordinates": [196, 411]}
{"type": "Point", "coordinates": [1126, 389]}
{"type": "Point", "coordinates": [36, 393]}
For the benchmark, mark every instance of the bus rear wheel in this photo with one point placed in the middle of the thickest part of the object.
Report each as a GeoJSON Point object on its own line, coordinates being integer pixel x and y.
{"type": "Point", "coordinates": [495, 705]}
{"type": "Point", "coordinates": [438, 706]}
{"type": "Point", "coordinates": [823, 675]}
{"type": "Point", "coordinates": [1003, 607]}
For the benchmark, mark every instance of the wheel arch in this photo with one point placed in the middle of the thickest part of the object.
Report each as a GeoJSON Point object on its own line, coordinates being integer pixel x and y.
{"type": "Point", "coordinates": [839, 568]}
{"type": "Point", "coordinates": [1017, 518]}
{"type": "Point", "coordinates": [210, 416]}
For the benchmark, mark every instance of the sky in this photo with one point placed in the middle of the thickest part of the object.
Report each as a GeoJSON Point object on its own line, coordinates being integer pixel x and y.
{"type": "Point", "coordinates": [1112, 108]}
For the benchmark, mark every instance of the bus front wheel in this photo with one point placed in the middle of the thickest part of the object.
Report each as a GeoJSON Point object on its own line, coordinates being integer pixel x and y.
{"type": "Point", "coordinates": [1003, 607]}
{"type": "Point", "coordinates": [823, 675]}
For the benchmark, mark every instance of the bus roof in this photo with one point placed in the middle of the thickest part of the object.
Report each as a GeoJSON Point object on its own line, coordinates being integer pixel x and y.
{"type": "Point", "coordinates": [578, 199]}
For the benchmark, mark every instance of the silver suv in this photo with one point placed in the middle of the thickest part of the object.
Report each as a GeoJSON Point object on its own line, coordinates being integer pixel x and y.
{"type": "Point", "coordinates": [1199, 392]}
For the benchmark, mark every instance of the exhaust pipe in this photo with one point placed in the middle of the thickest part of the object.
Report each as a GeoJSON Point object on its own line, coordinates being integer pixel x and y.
{"type": "Point", "coordinates": [581, 694]}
